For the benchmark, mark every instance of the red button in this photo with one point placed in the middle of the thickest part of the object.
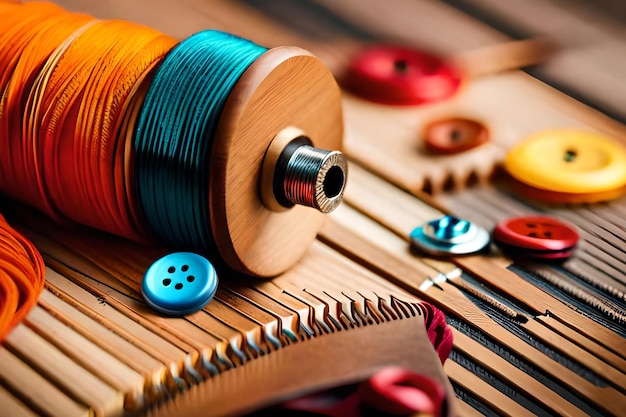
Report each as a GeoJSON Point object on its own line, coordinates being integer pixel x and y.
{"type": "Point", "coordinates": [454, 135]}
{"type": "Point", "coordinates": [536, 236]}
{"type": "Point", "coordinates": [401, 76]}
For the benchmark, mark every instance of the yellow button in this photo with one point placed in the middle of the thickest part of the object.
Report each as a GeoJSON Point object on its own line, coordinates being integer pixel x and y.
{"type": "Point", "coordinates": [568, 161]}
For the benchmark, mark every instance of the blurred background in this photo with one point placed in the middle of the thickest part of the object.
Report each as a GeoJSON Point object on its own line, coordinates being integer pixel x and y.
{"type": "Point", "coordinates": [590, 63]}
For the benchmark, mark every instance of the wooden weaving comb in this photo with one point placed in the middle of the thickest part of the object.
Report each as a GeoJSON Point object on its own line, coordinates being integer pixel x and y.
{"type": "Point", "coordinates": [258, 343]}
{"type": "Point", "coordinates": [302, 368]}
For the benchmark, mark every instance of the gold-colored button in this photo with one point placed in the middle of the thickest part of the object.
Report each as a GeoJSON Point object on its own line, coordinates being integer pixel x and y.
{"type": "Point", "coordinates": [569, 162]}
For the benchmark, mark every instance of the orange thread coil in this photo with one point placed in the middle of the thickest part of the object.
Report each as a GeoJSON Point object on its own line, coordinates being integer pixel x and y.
{"type": "Point", "coordinates": [22, 275]}
{"type": "Point", "coordinates": [66, 111]}
{"type": "Point", "coordinates": [104, 129]}
{"type": "Point", "coordinates": [20, 171]}
{"type": "Point", "coordinates": [84, 104]}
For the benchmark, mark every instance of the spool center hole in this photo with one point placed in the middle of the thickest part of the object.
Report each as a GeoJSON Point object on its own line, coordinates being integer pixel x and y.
{"type": "Point", "coordinates": [333, 182]}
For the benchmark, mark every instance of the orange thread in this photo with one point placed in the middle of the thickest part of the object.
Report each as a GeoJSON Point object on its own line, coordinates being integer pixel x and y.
{"type": "Point", "coordinates": [70, 91]}
{"type": "Point", "coordinates": [67, 107]}
{"type": "Point", "coordinates": [83, 105]}
{"type": "Point", "coordinates": [20, 177]}
{"type": "Point", "coordinates": [21, 277]}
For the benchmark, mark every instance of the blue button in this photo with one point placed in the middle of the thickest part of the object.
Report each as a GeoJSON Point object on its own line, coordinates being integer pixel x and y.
{"type": "Point", "coordinates": [449, 236]}
{"type": "Point", "coordinates": [179, 283]}
{"type": "Point", "coordinates": [450, 230]}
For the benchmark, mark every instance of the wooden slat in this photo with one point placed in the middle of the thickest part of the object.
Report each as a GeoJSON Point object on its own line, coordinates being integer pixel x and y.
{"type": "Point", "coordinates": [322, 267]}
{"type": "Point", "coordinates": [90, 357]}
{"type": "Point", "coordinates": [466, 410]}
{"type": "Point", "coordinates": [12, 406]}
{"type": "Point", "coordinates": [580, 353]}
{"type": "Point", "coordinates": [251, 331]}
{"type": "Point", "coordinates": [153, 371]}
{"type": "Point", "coordinates": [598, 350]}
{"type": "Point", "coordinates": [483, 391]}
{"type": "Point", "coordinates": [63, 371]}
{"type": "Point", "coordinates": [508, 282]}
{"type": "Point", "coordinates": [271, 325]}
{"type": "Point", "coordinates": [517, 377]}
{"type": "Point", "coordinates": [39, 393]}
{"type": "Point", "coordinates": [289, 320]}
{"type": "Point", "coordinates": [592, 44]}
{"type": "Point", "coordinates": [305, 308]}
{"type": "Point", "coordinates": [456, 304]}
{"type": "Point", "coordinates": [114, 320]}
{"type": "Point", "coordinates": [231, 348]}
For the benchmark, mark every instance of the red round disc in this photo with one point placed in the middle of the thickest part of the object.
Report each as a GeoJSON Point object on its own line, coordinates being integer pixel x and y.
{"type": "Point", "coordinates": [454, 135]}
{"type": "Point", "coordinates": [398, 391]}
{"type": "Point", "coordinates": [536, 233]}
{"type": "Point", "coordinates": [401, 76]}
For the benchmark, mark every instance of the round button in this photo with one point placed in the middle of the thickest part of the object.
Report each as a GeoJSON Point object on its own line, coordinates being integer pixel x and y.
{"type": "Point", "coordinates": [536, 236]}
{"type": "Point", "coordinates": [179, 283]}
{"type": "Point", "coordinates": [573, 163]}
{"type": "Point", "coordinates": [454, 135]}
{"type": "Point", "coordinates": [398, 391]}
{"type": "Point", "coordinates": [401, 76]}
{"type": "Point", "coordinates": [449, 236]}
{"type": "Point", "coordinates": [450, 230]}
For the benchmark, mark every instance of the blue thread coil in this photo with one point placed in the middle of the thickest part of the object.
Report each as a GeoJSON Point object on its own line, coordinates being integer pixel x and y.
{"type": "Point", "coordinates": [174, 134]}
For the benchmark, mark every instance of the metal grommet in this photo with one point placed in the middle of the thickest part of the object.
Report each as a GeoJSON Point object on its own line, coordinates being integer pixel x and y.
{"type": "Point", "coordinates": [449, 235]}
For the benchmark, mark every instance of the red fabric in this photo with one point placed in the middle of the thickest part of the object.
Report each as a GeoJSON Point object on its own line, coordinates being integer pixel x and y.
{"type": "Point", "coordinates": [439, 333]}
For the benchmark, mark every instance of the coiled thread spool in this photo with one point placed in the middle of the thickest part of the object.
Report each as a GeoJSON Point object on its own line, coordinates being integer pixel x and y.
{"type": "Point", "coordinates": [121, 128]}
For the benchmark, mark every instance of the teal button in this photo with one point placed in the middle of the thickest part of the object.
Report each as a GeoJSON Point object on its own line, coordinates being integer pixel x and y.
{"type": "Point", "coordinates": [449, 236]}
{"type": "Point", "coordinates": [179, 283]}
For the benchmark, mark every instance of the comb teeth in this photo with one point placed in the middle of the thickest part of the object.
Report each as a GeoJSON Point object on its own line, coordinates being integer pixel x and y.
{"type": "Point", "coordinates": [348, 312]}
{"type": "Point", "coordinates": [573, 267]}
{"type": "Point", "coordinates": [458, 180]}
{"type": "Point", "coordinates": [332, 360]}
{"type": "Point", "coordinates": [606, 307]}
{"type": "Point", "coordinates": [454, 180]}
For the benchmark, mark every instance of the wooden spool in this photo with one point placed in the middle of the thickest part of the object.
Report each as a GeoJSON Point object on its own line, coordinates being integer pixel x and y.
{"type": "Point", "coordinates": [286, 90]}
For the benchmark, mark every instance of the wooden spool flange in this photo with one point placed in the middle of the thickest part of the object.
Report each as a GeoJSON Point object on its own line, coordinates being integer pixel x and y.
{"type": "Point", "coordinates": [285, 94]}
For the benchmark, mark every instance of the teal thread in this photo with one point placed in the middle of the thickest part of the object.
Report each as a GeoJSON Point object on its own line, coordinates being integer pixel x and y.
{"type": "Point", "coordinates": [174, 135]}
